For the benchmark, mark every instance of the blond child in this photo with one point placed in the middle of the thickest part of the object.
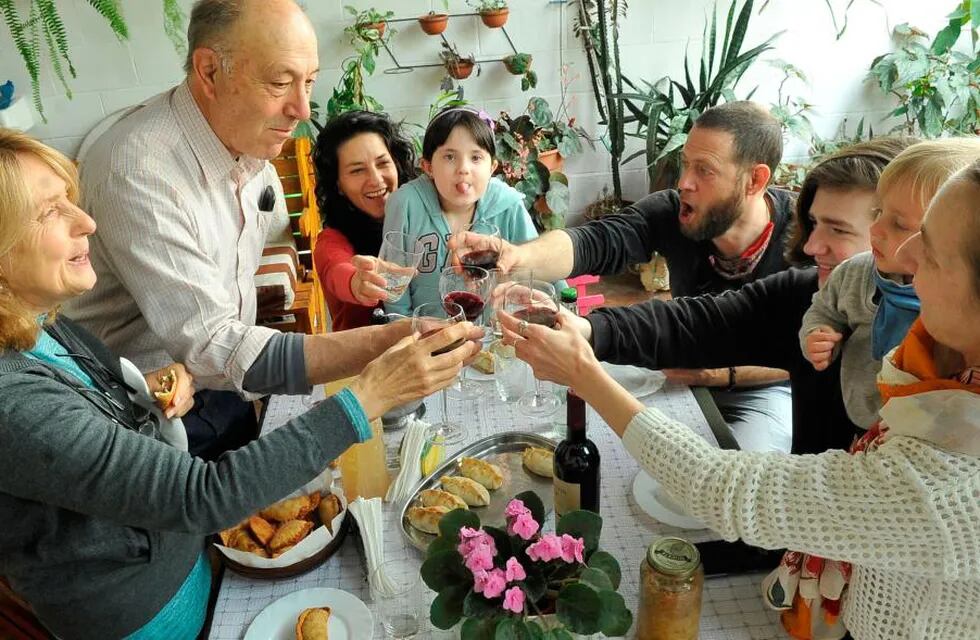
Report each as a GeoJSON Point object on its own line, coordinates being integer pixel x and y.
{"type": "Point", "coordinates": [868, 303]}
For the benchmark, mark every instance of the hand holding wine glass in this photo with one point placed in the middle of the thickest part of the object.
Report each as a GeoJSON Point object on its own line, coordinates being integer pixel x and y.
{"type": "Point", "coordinates": [432, 320]}
{"type": "Point", "coordinates": [398, 260]}
{"type": "Point", "coordinates": [469, 287]}
{"type": "Point", "coordinates": [484, 256]}
{"type": "Point", "coordinates": [367, 284]}
{"type": "Point", "coordinates": [534, 302]}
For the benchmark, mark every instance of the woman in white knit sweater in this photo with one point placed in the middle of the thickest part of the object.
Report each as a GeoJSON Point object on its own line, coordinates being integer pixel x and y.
{"type": "Point", "coordinates": [905, 512]}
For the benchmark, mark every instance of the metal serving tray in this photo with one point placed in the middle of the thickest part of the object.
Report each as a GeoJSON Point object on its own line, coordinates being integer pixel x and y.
{"type": "Point", "coordinates": [503, 450]}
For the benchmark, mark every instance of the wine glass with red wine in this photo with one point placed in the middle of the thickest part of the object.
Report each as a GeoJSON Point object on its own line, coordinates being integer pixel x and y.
{"type": "Point", "coordinates": [485, 254]}
{"type": "Point", "coordinates": [431, 318]}
{"type": "Point", "coordinates": [469, 287]}
{"type": "Point", "coordinates": [536, 302]}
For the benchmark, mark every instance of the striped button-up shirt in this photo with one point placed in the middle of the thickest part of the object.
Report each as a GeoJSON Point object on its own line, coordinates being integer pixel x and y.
{"type": "Point", "coordinates": [179, 240]}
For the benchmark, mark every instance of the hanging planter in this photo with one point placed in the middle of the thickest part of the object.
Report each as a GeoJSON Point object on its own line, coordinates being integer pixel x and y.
{"type": "Point", "coordinates": [460, 69]}
{"type": "Point", "coordinates": [518, 64]}
{"type": "Point", "coordinates": [495, 18]}
{"type": "Point", "coordinates": [369, 29]}
{"type": "Point", "coordinates": [434, 23]}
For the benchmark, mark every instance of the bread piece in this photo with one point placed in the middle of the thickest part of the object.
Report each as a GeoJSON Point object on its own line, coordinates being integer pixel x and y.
{"type": "Point", "coordinates": [291, 508]}
{"type": "Point", "coordinates": [328, 509]}
{"type": "Point", "coordinates": [312, 624]}
{"type": "Point", "coordinates": [261, 529]}
{"type": "Point", "coordinates": [472, 492]}
{"type": "Point", "coordinates": [489, 475]}
{"type": "Point", "coordinates": [440, 498]}
{"type": "Point", "coordinates": [539, 461]}
{"type": "Point", "coordinates": [484, 362]}
{"type": "Point", "coordinates": [289, 534]}
{"type": "Point", "coordinates": [426, 518]}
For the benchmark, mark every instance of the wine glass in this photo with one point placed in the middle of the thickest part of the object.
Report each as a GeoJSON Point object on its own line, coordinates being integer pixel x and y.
{"type": "Point", "coordinates": [500, 281]}
{"type": "Point", "coordinates": [486, 256]}
{"type": "Point", "coordinates": [536, 302]}
{"type": "Point", "coordinates": [469, 287]}
{"type": "Point", "coordinates": [399, 256]}
{"type": "Point", "coordinates": [430, 318]}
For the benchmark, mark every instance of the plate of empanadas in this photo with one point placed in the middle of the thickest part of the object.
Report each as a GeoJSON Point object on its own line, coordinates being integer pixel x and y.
{"type": "Point", "coordinates": [483, 477]}
{"type": "Point", "coordinates": [290, 536]}
{"type": "Point", "coordinates": [313, 614]}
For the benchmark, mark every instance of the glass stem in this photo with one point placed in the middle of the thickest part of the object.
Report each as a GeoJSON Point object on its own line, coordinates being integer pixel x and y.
{"type": "Point", "coordinates": [445, 406]}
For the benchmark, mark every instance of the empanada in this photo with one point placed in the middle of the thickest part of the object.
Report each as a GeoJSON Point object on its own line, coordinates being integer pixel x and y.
{"type": "Point", "coordinates": [312, 624]}
{"type": "Point", "coordinates": [289, 534]}
{"type": "Point", "coordinates": [290, 508]}
{"type": "Point", "coordinates": [261, 529]}
{"type": "Point", "coordinates": [489, 475]}
{"type": "Point", "coordinates": [472, 492]}
{"type": "Point", "coordinates": [168, 387]}
{"type": "Point", "coordinates": [241, 540]}
{"type": "Point", "coordinates": [329, 508]}
{"type": "Point", "coordinates": [539, 461]}
{"type": "Point", "coordinates": [427, 518]}
{"type": "Point", "coordinates": [440, 498]}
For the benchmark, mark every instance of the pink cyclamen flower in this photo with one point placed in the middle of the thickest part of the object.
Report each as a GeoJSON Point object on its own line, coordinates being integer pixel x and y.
{"type": "Point", "coordinates": [471, 539]}
{"type": "Point", "coordinates": [514, 570]}
{"type": "Point", "coordinates": [490, 583]}
{"type": "Point", "coordinates": [479, 559]}
{"type": "Point", "coordinates": [514, 600]}
{"type": "Point", "coordinates": [523, 525]}
{"type": "Point", "coordinates": [515, 508]}
{"type": "Point", "coordinates": [572, 548]}
{"type": "Point", "coordinates": [546, 549]}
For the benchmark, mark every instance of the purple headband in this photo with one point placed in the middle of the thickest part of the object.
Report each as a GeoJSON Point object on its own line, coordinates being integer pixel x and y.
{"type": "Point", "coordinates": [481, 114]}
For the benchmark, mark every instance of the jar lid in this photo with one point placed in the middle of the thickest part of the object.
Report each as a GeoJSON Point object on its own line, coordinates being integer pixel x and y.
{"type": "Point", "coordinates": [569, 294]}
{"type": "Point", "coordinates": [673, 557]}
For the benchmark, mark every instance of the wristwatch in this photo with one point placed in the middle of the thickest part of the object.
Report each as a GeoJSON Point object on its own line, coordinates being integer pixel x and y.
{"type": "Point", "coordinates": [731, 379]}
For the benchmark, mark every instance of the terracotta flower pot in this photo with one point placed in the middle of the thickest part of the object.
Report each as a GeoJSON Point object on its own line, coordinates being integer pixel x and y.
{"type": "Point", "coordinates": [460, 69]}
{"type": "Point", "coordinates": [495, 18]}
{"type": "Point", "coordinates": [379, 26]}
{"type": "Point", "coordinates": [552, 160]}
{"type": "Point", "coordinates": [434, 23]}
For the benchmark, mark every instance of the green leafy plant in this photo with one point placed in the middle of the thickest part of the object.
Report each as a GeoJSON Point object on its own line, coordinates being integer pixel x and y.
{"type": "Point", "coordinates": [521, 583]}
{"type": "Point", "coordinates": [790, 175]}
{"type": "Point", "coordinates": [350, 93]}
{"type": "Point", "coordinates": [457, 66]}
{"type": "Point", "coordinates": [670, 107]}
{"type": "Point", "coordinates": [487, 5]}
{"type": "Point", "coordinates": [791, 111]}
{"type": "Point", "coordinates": [522, 141]}
{"type": "Point", "coordinates": [366, 21]}
{"type": "Point", "coordinates": [43, 21]}
{"type": "Point", "coordinates": [937, 87]}
{"type": "Point", "coordinates": [519, 64]}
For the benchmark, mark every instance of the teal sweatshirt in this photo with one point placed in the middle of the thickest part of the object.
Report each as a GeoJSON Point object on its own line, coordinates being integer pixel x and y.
{"type": "Point", "coordinates": [414, 209]}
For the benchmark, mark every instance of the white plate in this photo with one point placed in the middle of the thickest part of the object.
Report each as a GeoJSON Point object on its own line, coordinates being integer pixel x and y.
{"type": "Point", "coordinates": [655, 503]}
{"type": "Point", "coordinates": [637, 380]}
{"type": "Point", "coordinates": [350, 618]}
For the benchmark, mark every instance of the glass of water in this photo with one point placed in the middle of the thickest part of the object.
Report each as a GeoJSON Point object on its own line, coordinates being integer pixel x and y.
{"type": "Point", "coordinates": [399, 256]}
{"type": "Point", "coordinates": [397, 592]}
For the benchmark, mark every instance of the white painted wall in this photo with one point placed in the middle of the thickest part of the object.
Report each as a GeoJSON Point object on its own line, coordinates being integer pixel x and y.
{"type": "Point", "coordinates": [113, 74]}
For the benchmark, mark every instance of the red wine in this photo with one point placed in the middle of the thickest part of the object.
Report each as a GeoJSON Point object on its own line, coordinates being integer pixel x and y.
{"type": "Point", "coordinates": [538, 315]}
{"type": "Point", "coordinates": [471, 304]}
{"type": "Point", "coordinates": [576, 464]}
{"type": "Point", "coordinates": [485, 259]}
{"type": "Point", "coordinates": [447, 348]}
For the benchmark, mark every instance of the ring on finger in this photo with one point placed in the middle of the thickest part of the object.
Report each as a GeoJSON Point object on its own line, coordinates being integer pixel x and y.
{"type": "Point", "coordinates": [521, 328]}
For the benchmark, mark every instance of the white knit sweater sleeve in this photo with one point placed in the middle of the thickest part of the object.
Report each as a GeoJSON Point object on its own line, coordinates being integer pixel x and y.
{"type": "Point", "coordinates": [905, 507]}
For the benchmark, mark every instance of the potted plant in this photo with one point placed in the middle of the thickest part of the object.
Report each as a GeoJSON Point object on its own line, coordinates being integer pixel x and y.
{"type": "Point", "coordinates": [457, 66]}
{"type": "Point", "coordinates": [519, 64]}
{"type": "Point", "coordinates": [519, 582]}
{"type": "Point", "coordinates": [531, 149]}
{"type": "Point", "coordinates": [494, 13]}
{"type": "Point", "coordinates": [435, 23]}
{"type": "Point", "coordinates": [370, 24]}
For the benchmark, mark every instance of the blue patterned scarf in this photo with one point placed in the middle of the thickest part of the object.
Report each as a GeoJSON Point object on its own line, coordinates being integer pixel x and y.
{"type": "Point", "coordinates": [897, 310]}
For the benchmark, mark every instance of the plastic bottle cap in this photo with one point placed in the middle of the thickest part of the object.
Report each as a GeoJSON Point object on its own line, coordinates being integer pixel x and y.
{"type": "Point", "coordinates": [569, 294]}
{"type": "Point", "coordinates": [673, 557]}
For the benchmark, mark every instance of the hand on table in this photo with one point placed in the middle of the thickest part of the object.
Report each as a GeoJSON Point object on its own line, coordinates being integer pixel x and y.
{"type": "Point", "coordinates": [820, 345]}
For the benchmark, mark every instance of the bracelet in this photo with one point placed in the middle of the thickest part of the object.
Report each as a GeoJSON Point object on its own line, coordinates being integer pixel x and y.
{"type": "Point", "coordinates": [731, 379]}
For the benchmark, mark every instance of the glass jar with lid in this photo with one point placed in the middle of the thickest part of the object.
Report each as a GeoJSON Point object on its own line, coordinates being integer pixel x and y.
{"type": "Point", "coordinates": [671, 582]}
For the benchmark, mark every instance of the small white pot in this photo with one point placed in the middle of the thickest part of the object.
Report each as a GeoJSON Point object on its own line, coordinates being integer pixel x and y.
{"type": "Point", "coordinates": [18, 115]}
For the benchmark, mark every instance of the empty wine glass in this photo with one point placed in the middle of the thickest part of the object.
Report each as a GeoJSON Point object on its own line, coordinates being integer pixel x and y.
{"type": "Point", "coordinates": [469, 287]}
{"type": "Point", "coordinates": [428, 319]}
{"type": "Point", "coordinates": [399, 256]}
{"type": "Point", "coordinates": [484, 255]}
{"type": "Point", "coordinates": [535, 302]}
{"type": "Point", "coordinates": [396, 589]}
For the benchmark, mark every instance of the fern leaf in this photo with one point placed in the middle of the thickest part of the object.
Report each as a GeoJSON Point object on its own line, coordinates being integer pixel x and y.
{"type": "Point", "coordinates": [111, 11]}
{"type": "Point", "coordinates": [173, 24]}
{"type": "Point", "coordinates": [27, 47]}
{"type": "Point", "coordinates": [57, 39]}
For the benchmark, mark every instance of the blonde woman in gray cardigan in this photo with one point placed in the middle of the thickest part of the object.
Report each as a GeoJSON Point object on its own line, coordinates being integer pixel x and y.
{"type": "Point", "coordinates": [868, 303]}
{"type": "Point", "coordinates": [905, 512]}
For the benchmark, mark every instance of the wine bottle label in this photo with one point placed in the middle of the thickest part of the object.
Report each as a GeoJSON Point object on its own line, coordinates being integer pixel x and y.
{"type": "Point", "coordinates": [568, 497]}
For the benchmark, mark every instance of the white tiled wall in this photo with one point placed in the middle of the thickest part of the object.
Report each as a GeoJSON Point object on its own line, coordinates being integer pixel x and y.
{"type": "Point", "coordinates": [113, 74]}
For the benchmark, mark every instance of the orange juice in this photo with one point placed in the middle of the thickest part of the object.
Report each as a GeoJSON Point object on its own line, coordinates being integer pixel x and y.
{"type": "Point", "coordinates": [362, 466]}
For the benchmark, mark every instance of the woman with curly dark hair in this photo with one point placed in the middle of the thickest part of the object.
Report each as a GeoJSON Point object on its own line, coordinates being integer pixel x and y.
{"type": "Point", "coordinates": [360, 159]}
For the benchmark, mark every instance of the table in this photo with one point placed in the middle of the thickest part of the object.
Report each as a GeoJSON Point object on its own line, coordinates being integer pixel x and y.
{"type": "Point", "coordinates": [732, 608]}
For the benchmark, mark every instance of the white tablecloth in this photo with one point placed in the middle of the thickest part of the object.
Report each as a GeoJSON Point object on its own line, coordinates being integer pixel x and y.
{"type": "Point", "coordinates": [732, 608]}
